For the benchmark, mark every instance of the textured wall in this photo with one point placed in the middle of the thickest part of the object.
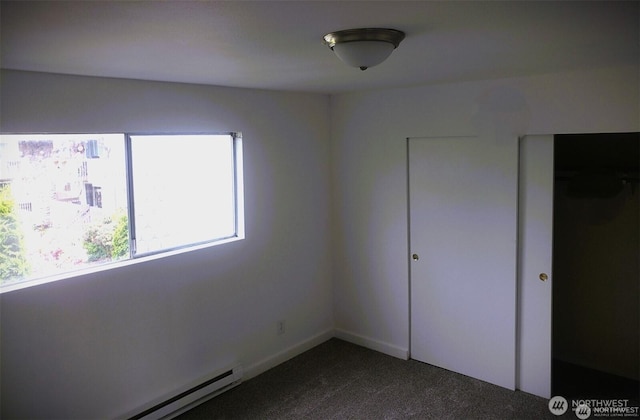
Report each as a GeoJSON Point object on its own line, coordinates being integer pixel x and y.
{"type": "Point", "coordinates": [370, 179]}
{"type": "Point", "coordinates": [103, 344]}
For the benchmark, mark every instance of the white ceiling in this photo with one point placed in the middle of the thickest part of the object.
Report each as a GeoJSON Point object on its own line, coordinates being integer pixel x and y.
{"type": "Point", "coordinates": [278, 44]}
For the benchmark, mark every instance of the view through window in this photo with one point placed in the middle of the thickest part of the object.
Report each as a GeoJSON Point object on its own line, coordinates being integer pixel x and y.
{"type": "Point", "coordinates": [73, 201]}
{"type": "Point", "coordinates": [183, 190]}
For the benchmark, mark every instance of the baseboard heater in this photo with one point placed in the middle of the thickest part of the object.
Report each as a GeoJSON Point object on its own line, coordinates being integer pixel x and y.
{"type": "Point", "coordinates": [193, 396]}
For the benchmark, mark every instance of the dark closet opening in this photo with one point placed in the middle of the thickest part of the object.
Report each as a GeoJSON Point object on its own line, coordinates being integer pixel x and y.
{"type": "Point", "coordinates": [596, 258]}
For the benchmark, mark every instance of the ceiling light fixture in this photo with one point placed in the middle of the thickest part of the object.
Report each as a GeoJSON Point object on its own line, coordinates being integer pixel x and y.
{"type": "Point", "coordinates": [364, 47]}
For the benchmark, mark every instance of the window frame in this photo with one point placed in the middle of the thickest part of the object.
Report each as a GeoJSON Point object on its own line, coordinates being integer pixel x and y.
{"type": "Point", "coordinates": [135, 257]}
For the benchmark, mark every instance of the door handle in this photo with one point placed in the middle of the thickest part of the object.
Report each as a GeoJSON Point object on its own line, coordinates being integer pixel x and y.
{"type": "Point", "coordinates": [543, 276]}
{"type": "Point", "coordinates": [415, 257]}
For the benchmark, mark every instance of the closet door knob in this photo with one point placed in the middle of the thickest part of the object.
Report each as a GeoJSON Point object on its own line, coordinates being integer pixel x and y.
{"type": "Point", "coordinates": [415, 257]}
{"type": "Point", "coordinates": [543, 276]}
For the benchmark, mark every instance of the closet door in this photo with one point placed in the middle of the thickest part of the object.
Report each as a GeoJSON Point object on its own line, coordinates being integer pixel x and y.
{"type": "Point", "coordinates": [463, 231]}
{"type": "Point", "coordinates": [534, 265]}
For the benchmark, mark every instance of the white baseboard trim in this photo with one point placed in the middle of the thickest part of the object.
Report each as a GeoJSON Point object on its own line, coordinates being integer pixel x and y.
{"type": "Point", "coordinates": [286, 354]}
{"type": "Point", "coordinates": [293, 351]}
{"type": "Point", "coordinates": [370, 343]}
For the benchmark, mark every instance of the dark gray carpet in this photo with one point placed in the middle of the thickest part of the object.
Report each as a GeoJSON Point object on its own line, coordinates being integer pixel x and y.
{"type": "Point", "coordinates": [339, 380]}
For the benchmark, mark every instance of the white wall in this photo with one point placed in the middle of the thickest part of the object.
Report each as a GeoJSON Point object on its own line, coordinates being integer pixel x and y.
{"type": "Point", "coordinates": [370, 181]}
{"type": "Point", "coordinates": [102, 345]}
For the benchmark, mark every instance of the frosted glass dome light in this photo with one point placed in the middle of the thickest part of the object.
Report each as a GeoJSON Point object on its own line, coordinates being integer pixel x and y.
{"type": "Point", "coordinates": [365, 47]}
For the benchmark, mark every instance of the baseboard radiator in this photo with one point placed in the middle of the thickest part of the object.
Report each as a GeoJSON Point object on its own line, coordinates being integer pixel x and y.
{"type": "Point", "coordinates": [193, 396]}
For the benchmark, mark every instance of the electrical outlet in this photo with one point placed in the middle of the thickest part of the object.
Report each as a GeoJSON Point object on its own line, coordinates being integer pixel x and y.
{"type": "Point", "coordinates": [280, 327]}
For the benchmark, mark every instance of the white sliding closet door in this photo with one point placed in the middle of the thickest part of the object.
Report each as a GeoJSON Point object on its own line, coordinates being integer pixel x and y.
{"type": "Point", "coordinates": [463, 233]}
{"type": "Point", "coordinates": [535, 258]}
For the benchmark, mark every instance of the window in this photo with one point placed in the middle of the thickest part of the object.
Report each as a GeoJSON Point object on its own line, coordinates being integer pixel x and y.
{"type": "Point", "coordinates": [74, 201]}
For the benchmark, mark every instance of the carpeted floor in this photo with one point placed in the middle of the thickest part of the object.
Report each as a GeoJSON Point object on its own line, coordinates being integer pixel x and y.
{"type": "Point", "coordinates": [339, 380]}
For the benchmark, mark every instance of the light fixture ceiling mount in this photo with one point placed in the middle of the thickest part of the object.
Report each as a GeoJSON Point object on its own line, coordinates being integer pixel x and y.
{"type": "Point", "coordinates": [364, 47]}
